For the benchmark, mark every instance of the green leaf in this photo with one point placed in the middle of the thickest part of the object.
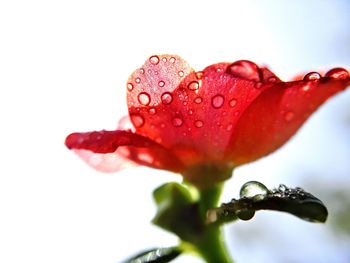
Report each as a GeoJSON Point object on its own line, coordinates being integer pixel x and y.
{"type": "Point", "coordinates": [255, 196]}
{"type": "Point", "coordinates": [156, 255]}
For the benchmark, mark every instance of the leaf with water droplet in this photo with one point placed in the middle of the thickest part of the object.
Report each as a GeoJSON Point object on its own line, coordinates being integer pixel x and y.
{"type": "Point", "coordinates": [255, 196]}
{"type": "Point", "coordinates": [156, 255]}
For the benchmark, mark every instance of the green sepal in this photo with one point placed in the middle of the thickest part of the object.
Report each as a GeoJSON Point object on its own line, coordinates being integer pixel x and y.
{"type": "Point", "coordinates": [178, 211]}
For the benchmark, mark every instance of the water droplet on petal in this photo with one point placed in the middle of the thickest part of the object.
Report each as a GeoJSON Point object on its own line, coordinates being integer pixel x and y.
{"type": "Point", "coordinates": [144, 98]}
{"type": "Point", "coordinates": [337, 73]}
{"type": "Point", "coordinates": [177, 122]}
{"type": "Point", "coordinates": [142, 71]}
{"type": "Point", "coordinates": [144, 157]}
{"type": "Point", "coordinates": [164, 59]}
{"type": "Point", "coordinates": [217, 101]}
{"type": "Point", "coordinates": [306, 87]}
{"type": "Point", "coordinates": [258, 85]}
{"type": "Point", "coordinates": [166, 98]}
{"type": "Point", "coordinates": [152, 111]}
{"type": "Point", "coordinates": [181, 73]}
{"type": "Point", "coordinates": [199, 74]}
{"type": "Point", "coordinates": [244, 69]}
{"type": "Point", "coordinates": [233, 102]}
{"type": "Point", "coordinates": [137, 80]}
{"type": "Point", "coordinates": [161, 83]}
{"type": "Point", "coordinates": [190, 112]}
{"type": "Point", "coordinates": [198, 100]}
{"type": "Point", "coordinates": [154, 60]}
{"type": "Point", "coordinates": [130, 87]}
{"type": "Point", "coordinates": [272, 79]}
{"type": "Point", "coordinates": [289, 116]}
{"type": "Point", "coordinates": [172, 60]}
{"type": "Point", "coordinates": [198, 123]}
{"type": "Point", "coordinates": [137, 120]}
{"type": "Point", "coordinates": [253, 188]}
{"type": "Point", "coordinates": [312, 76]}
{"type": "Point", "coordinates": [245, 214]}
{"type": "Point", "coordinates": [194, 85]}
{"type": "Point", "coordinates": [229, 127]}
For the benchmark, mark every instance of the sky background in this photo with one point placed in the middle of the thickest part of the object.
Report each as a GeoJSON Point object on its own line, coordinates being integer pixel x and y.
{"type": "Point", "coordinates": [63, 68]}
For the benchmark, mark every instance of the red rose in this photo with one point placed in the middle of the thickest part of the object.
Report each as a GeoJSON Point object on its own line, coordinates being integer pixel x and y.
{"type": "Point", "coordinates": [203, 123]}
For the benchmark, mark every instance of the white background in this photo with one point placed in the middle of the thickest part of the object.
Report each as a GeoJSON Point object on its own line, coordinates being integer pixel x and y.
{"type": "Point", "coordinates": [63, 68]}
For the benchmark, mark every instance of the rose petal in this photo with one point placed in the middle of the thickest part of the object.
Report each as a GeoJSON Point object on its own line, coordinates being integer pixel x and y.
{"type": "Point", "coordinates": [160, 74]}
{"type": "Point", "coordinates": [135, 147]}
{"type": "Point", "coordinates": [106, 162]}
{"type": "Point", "coordinates": [278, 113]}
{"type": "Point", "coordinates": [195, 119]}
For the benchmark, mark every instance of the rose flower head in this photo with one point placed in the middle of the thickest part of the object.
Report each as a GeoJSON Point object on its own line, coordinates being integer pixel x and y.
{"type": "Point", "coordinates": [204, 123]}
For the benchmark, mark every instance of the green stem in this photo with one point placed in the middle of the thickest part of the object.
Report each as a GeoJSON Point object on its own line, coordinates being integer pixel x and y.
{"type": "Point", "coordinates": [211, 246]}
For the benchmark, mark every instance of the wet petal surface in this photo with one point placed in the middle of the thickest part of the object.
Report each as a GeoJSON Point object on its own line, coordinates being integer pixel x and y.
{"type": "Point", "coordinates": [279, 112]}
{"type": "Point", "coordinates": [113, 144]}
{"type": "Point", "coordinates": [196, 118]}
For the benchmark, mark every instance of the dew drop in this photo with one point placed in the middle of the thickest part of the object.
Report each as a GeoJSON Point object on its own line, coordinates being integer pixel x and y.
{"type": "Point", "coordinates": [190, 112]}
{"type": "Point", "coordinates": [154, 60]}
{"type": "Point", "coordinates": [199, 74]}
{"type": "Point", "coordinates": [244, 69]}
{"type": "Point", "coordinates": [145, 158]}
{"type": "Point", "coordinates": [306, 87]}
{"type": "Point", "coordinates": [152, 111]}
{"type": "Point", "coordinates": [164, 59]}
{"type": "Point", "coordinates": [198, 123]}
{"type": "Point", "coordinates": [312, 76]}
{"type": "Point", "coordinates": [130, 87]}
{"type": "Point", "coordinates": [194, 85]}
{"type": "Point", "coordinates": [337, 73]}
{"type": "Point", "coordinates": [229, 127]}
{"type": "Point", "coordinates": [258, 85]}
{"type": "Point", "coordinates": [245, 214]}
{"type": "Point", "coordinates": [289, 116]}
{"type": "Point", "coordinates": [253, 188]}
{"type": "Point", "coordinates": [282, 188]}
{"type": "Point", "coordinates": [161, 83]}
{"type": "Point", "coordinates": [144, 98]}
{"type": "Point", "coordinates": [272, 79]}
{"type": "Point", "coordinates": [198, 100]}
{"type": "Point", "coordinates": [177, 122]}
{"type": "Point", "coordinates": [181, 73]}
{"type": "Point", "coordinates": [217, 101]}
{"type": "Point", "coordinates": [233, 103]}
{"type": "Point", "coordinates": [166, 98]}
{"type": "Point", "coordinates": [137, 80]}
{"type": "Point", "coordinates": [142, 71]}
{"type": "Point", "coordinates": [172, 60]}
{"type": "Point", "coordinates": [137, 120]}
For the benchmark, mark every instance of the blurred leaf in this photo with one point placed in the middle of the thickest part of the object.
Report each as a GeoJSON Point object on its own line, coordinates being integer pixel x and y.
{"type": "Point", "coordinates": [157, 255]}
{"type": "Point", "coordinates": [255, 196]}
